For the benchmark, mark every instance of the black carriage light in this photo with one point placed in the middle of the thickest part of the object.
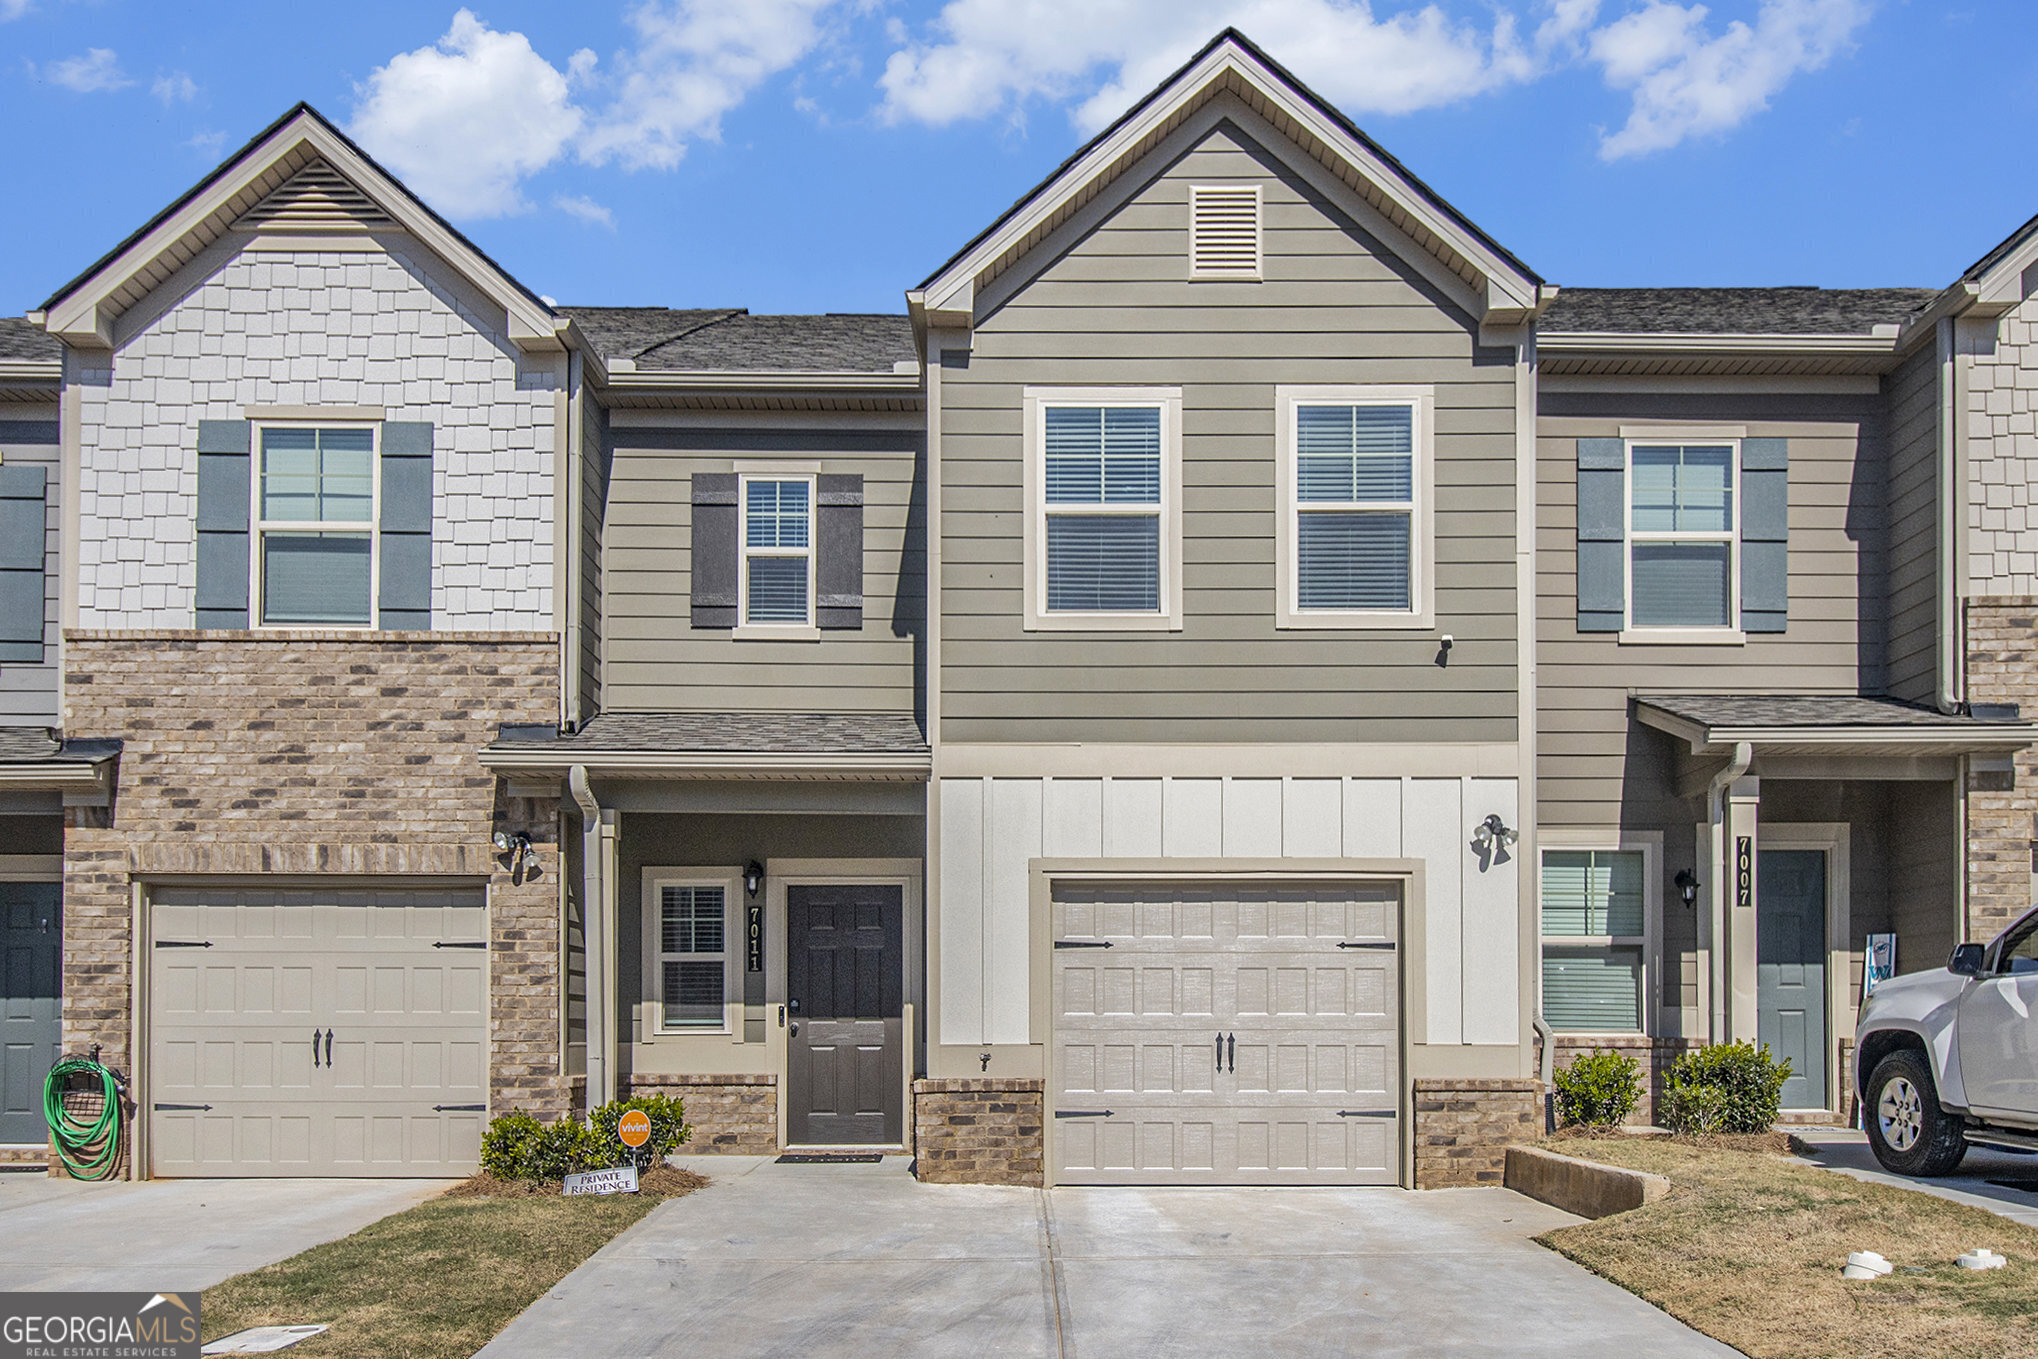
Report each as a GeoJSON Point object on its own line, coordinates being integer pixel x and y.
{"type": "Point", "coordinates": [753, 877]}
{"type": "Point", "coordinates": [1687, 885]}
{"type": "Point", "coordinates": [518, 846]}
{"type": "Point", "coordinates": [1494, 831]}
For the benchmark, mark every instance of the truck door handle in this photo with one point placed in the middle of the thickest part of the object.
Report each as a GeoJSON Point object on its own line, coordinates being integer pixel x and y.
{"type": "Point", "coordinates": [314, 1049]}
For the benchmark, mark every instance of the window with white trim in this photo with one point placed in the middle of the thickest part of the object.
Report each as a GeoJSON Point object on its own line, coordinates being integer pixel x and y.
{"type": "Point", "coordinates": [694, 980]}
{"type": "Point", "coordinates": [1354, 536]}
{"type": "Point", "coordinates": [1595, 940]}
{"type": "Point", "coordinates": [1683, 535]}
{"type": "Point", "coordinates": [314, 526]}
{"type": "Point", "coordinates": [1103, 533]}
{"type": "Point", "coordinates": [777, 586]}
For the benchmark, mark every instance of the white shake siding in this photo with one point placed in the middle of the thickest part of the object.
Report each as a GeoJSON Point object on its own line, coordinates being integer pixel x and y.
{"type": "Point", "coordinates": [993, 828]}
{"type": "Point", "coordinates": [273, 329]}
{"type": "Point", "coordinates": [2002, 454]}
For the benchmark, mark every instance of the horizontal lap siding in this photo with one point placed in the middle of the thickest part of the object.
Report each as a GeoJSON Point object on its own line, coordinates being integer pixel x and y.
{"type": "Point", "coordinates": [1914, 526]}
{"type": "Point", "coordinates": [1835, 642]}
{"type": "Point", "coordinates": [656, 661]}
{"type": "Point", "coordinates": [1116, 309]}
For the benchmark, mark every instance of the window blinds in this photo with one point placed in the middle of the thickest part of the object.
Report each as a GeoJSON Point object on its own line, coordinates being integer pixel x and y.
{"type": "Point", "coordinates": [1103, 491]}
{"type": "Point", "coordinates": [1354, 506]}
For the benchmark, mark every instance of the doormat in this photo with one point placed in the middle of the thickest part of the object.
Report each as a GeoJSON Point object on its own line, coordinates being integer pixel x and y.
{"type": "Point", "coordinates": [829, 1158]}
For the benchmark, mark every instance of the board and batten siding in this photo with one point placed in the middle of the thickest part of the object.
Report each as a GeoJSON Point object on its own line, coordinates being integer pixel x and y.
{"type": "Point", "coordinates": [28, 689]}
{"type": "Point", "coordinates": [1116, 308]}
{"type": "Point", "coordinates": [656, 661]}
{"type": "Point", "coordinates": [1913, 396]}
{"type": "Point", "coordinates": [1836, 639]}
{"type": "Point", "coordinates": [993, 828]}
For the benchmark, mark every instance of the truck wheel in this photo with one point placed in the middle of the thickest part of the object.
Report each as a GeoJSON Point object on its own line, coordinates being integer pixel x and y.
{"type": "Point", "coordinates": [1907, 1129]}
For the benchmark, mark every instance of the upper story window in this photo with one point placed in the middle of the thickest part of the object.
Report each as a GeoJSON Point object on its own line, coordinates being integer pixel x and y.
{"type": "Point", "coordinates": [314, 521]}
{"type": "Point", "coordinates": [1595, 930]}
{"type": "Point", "coordinates": [1104, 535]}
{"type": "Point", "coordinates": [778, 551]}
{"type": "Point", "coordinates": [1683, 535]}
{"type": "Point", "coordinates": [1355, 529]}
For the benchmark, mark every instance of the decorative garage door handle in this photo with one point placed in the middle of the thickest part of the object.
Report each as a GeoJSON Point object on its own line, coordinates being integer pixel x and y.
{"type": "Point", "coordinates": [183, 943]}
{"type": "Point", "coordinates": [314, 1049]}
{"type": "Point", "coordinates": [180, 1108]}
{"type": "Point", "coordinates": [1082, 1113]}
{"type": "Point", "coordinates": [1369, 943]}
{"type": "Point", "coordinates": [463, 943]}
{"type": "Point", "coordinates": [329, 1049]}
{"type": "Point", "coordinates": [459, 1108]}
{"type": "Point", "coordinates": [1365, 1113]}
{"type": "Point", "coordinates": [1082, 943]}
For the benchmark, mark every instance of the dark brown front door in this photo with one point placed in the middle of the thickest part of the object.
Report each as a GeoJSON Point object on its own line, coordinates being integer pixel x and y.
{"type": "Point", "coordinates": [844, 988]}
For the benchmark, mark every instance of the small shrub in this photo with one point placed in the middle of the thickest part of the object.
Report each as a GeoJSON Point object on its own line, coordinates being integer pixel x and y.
{"type": "Point", "coordinates": [1724, 1088]}
{"type": "Point", "coordinates": [1600, 1089]}
{"type": "Point", "coordinates": [517, 1146]}
{"type": "Point", "coordinates": [668, 1129]}
{"type": "Point", "coordinates": [506, 1146]}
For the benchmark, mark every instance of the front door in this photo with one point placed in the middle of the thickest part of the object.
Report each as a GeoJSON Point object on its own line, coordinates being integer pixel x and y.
{"type": "Point", "coordinates": [31, 935]}
{"type": "Point", "coordinates": [845, 992]}
{"type": "Point", "coordinates": [1790, 968]}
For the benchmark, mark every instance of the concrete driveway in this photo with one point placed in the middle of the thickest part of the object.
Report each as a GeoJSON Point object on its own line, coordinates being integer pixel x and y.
{"type": "Point", "coordinates": [856, 1261]}
{"type": "Point", "coordinates": [2002, 1182]}
{"type": "Point", "coordinates": [177, 1235]}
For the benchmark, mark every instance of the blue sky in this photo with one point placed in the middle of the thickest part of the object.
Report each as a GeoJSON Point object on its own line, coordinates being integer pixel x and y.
{"type": "Point", "coordinates": [825, 155]}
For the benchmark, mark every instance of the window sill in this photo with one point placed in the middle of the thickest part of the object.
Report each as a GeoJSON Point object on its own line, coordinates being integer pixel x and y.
{"type": "Point", "coordinates": [1382, 621]}
{"type": "Point", "coordinates": [1102, 622]}
{"type": "Point", "coordinates": [1683, 637]}
{"type": "Point", "coordinates": [776, 632]}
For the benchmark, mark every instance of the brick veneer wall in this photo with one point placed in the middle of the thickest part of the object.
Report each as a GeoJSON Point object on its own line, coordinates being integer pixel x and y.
{"type": "Point", "coordinates": [2002, 822]}
{"type": "Point", "coordinates": [736, 1115]}
{"type": "Point", "coordinates": [314, 753]}
{"type": "Point", "coordinates": [1655, 1056]}
{"type": "Point", "coordinates": [979, 1131]}
{"type": "Point", "coordinates": [1463, 1128]}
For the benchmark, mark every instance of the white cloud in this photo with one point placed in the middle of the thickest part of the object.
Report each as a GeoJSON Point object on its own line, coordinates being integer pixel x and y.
{"type": "Point", "coordinates": [465, 120]}
{"type": "Point", "coordinates": [13, 9]}
{"type": "Point", "coordinates": [93, 73]}
{"type": "Point", "coordinates": [693, 62]}
{"type": "Point", "coordinates": [207, 143]}
{"type": "Point", "coordinates": [586, 209]}
{"type": "Point", "coordinates": [176, 87]}
{"type": "Point", "coordinates": [1688, 83]}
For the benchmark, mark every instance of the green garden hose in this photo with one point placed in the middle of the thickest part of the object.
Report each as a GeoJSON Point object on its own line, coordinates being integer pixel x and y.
{"type": "Point", "coordinates": [90, 1148]}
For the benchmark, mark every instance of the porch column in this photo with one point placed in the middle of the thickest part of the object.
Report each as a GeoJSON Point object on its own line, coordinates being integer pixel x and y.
{"type": "Point", "coordinates": [1739, 878]}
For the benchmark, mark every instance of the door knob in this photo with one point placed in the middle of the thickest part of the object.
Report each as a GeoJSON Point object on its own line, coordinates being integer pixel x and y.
{"type": "Point", "coordinates": [795, 1030]}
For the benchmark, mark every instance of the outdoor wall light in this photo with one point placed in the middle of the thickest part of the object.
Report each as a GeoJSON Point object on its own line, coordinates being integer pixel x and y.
{"type": "Point", "coordinates": [518, 846]}
{"type": "Point", "coordinates": [1494, 831]}
{"type": "Point", "coordinates": [1687, 885]}
{"type": "Point", "coordinates": [753, 877]}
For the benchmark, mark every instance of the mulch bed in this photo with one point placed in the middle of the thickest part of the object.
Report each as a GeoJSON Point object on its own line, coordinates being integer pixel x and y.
{"type": "Point", "coordinates": [659, 1182]}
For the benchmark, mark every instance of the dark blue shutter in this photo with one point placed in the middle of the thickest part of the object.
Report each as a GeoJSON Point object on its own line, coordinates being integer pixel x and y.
{"type": "Point", "coordinates": [404, 532]}
{"type": "Point", "coordinates": [838, 548]}
{"type": "Point", "coordinates": [23, 542]}
{"type": "Point", "coordinates": [1765, 534]}
{"type": "Point", "coordinates": [712, 563]}
{"type": "Point", "coordinates": [1602, 534]}
{"type": "Point", "coordinates": [223, 471]}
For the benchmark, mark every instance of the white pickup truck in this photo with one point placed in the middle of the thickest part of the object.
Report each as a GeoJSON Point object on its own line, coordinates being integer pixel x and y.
{"type": "Point", "coordinates": [1950, 1057]}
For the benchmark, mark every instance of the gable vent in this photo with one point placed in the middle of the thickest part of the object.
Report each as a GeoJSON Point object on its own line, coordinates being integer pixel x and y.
{"type": "Point", "coordinates": [316, 198]}
{"type": "Point", "coordinates": [1224, 231]}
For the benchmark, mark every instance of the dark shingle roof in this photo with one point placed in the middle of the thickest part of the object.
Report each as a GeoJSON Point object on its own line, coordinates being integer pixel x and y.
{"type": "Point", "coordinates": [2008, 246]}
{"type": "Point", "coordinates": [1803, 710]}
{"type": "Point", "coordinates": [20, 340]}
{"type": "Point", "coordinates": [1733, 311]}
{"type": "Point", "coordinates": [732, 733]}
{"type": "Point", "coordinates": [667, 339]}
{"type": "Point", "coordinates": [46, 745]}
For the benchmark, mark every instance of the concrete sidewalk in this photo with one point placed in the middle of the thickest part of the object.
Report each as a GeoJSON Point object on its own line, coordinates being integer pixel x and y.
{"type": "Point", "coordinates": [855, 1261]}
{"type": "Point", "coordinates": [1974, 1183]}
{"type": "Point", "coordinates": [177, 1235]}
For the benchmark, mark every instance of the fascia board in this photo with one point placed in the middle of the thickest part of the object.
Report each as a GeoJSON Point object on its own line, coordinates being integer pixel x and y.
{"type": "Point", "coordinates": [1924, 326]}
{"type": "Point", "coordinates": [2002, 287]}
{"type": "Point", "coordinates": [31, 370]}
{"type": "Point", "coordinates": [1646, 342]}
{"type": "Point", "coordinates": [1976, 736]}
{"type": "Point", "coordinates": [945, 292]}
{"type": "Point", "coordinates": [711, 764]}
{"type": "Point", "coordinates": [31, 776]}
{"type": "Point", "coordinates": [791, 380]}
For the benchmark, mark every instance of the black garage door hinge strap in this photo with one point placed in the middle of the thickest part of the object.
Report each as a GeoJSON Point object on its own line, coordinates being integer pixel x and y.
{"type": "Point", "coordinates": [183, 943]}
{"type": "Point", "coordinates": [464, 943]}
{"type": "Point", "coordinates": [1082, 1113]}
{"type": "Point", "coordinates": [180, 1108]}
{"type": "Point", "coordinates": [1082, 943]}
{"type": "Point", "coordinates": [1366, 1113]}
{"type": "Point", "coordinates": [459, 1108]}
{"type": "Point", "coordinates": [1369, 943]}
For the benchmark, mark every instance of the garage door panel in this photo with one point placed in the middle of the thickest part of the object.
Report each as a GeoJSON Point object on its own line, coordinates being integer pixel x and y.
{"type": "Point", "coordinates": [238, 1086]}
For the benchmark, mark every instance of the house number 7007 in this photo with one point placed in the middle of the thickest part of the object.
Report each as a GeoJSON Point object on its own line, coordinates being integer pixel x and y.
{"type": "Point", "coordinates": [1744, 870]}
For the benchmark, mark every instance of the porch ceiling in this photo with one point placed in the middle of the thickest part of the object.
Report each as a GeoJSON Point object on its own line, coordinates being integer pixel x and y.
{"type": "Point", "coordinates": [1828, 724]}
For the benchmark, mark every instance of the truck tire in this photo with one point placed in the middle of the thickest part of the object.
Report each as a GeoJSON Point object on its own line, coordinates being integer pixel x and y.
{"type": "Point", "coordinates": [1908, 1131]}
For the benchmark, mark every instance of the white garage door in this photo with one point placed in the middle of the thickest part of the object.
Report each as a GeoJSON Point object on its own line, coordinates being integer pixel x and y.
{"type": "Point", "coordinates": [1226, 1034]}
{"type": "Point", "coordinates": [317, 1032]}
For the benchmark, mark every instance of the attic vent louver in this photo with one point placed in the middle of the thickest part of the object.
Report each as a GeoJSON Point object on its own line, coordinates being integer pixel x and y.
{"type": "Point", "coordinates": [316, 198]}
{"type": "Point", "coordinates": [1224, 231]}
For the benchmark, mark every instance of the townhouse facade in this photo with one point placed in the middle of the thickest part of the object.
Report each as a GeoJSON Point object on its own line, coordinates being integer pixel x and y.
{"type": "Point", "coordinates": [1228, 687]}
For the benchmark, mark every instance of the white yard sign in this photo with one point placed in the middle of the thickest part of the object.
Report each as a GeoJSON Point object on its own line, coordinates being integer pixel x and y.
{"type": "Point", "coordinates": [621, 1180]}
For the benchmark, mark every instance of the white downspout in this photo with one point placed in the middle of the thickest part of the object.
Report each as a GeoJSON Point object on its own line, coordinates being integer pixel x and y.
{"type": "Point", "coordinates": [1722, 871]}
{"type": "Point", "coordinates": [594, 935]}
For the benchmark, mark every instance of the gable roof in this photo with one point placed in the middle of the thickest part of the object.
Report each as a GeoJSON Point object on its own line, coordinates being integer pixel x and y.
{"type": "Point", "coordinates": [82, 312]}
{"type": "Point", "coordinates": [1732, 311]}
{"type": "Point", "coordinates": [1231, 62]}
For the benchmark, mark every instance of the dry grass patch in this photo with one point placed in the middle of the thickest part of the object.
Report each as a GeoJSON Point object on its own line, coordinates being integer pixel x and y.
{"type": "Point", "coordinates": [1748, 1247]}
{"type": "Point", "coordinates": [437, 1281]}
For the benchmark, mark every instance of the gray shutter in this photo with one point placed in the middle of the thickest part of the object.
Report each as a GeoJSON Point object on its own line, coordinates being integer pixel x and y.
{"type": "Point", "coordinates": [404, 534]}
{"type": "Point", "coordinates": [223, 471]}
{"type": "Point", "coordinates": [23, 542]}
{"type": "Point", "coordinates": [713, 563]}
{"type": "Point", "coordinates": [1602, 535]}
{"type": "Point", "coordinates": [838, 549]}
{"type": "Point", "coordinates": [1765, 534]}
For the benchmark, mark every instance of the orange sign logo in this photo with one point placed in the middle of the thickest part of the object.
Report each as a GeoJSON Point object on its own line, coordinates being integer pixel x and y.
{"type": "Point", "coordinates": [634, 1128]}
